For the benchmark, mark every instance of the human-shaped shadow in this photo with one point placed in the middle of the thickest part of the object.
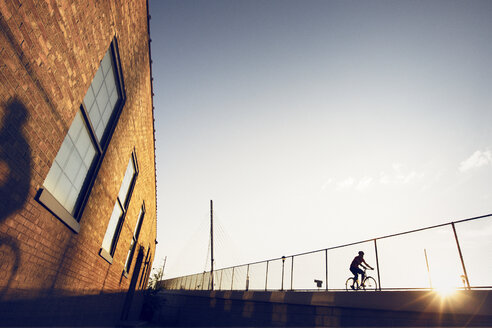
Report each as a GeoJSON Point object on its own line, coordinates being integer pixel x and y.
{"type": "Point", "coordinates": [15, 181]}
{"type": "Point", "coordinates": [15, 160]}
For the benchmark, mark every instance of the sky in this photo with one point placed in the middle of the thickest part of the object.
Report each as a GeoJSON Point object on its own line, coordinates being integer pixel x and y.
{"type": "Point", "coordinates": [312, 124]}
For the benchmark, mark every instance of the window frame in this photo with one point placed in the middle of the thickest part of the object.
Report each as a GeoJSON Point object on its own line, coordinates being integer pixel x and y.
{"type": "Point", "coordinates": [44, 196]}
{"type": "Point", "coordinates": [108, 256]}
{"type": "Point", "coordinates": [134, 241]}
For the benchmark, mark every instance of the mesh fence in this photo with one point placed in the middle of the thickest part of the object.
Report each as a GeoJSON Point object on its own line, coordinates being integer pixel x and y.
{"type": "Point", "coordinates": [455, 254]}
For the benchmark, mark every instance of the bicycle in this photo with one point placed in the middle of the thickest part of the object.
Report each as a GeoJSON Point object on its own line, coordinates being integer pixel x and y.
{"type": "Point", "coordinates": [369, 283]}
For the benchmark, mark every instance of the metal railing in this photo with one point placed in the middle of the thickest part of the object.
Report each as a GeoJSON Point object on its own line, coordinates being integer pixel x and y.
{"type": "Point", "coordinates": [431, 257]}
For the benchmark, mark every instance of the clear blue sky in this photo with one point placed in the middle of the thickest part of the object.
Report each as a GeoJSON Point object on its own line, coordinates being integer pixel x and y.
{"type": "Point", "coordinates": [316, 123]}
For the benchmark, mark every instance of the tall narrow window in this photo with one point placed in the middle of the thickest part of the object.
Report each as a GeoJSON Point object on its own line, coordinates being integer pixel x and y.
{"type": "Point", "coordinates": [119, 211]}
{"type": "Point", "coordinates": [72, 174]}
{"type": "Point", "coordinates": [136, 232]}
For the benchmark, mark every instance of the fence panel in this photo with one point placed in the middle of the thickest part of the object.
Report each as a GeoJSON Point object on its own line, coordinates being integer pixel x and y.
{"type": "Point", "coordinates": [240, 277]}
{"type": "Point", "coordinates": [274, 280]}
{"type": "Point", "coordinates": [307, 268]}
{"type": "Point", "coordinates": [339, 260]}
{"type": "Point", "coordinates": [475, 238]}
{"type": "Point", "coordinates": [403, 261]}
{"type": "Point", "coordinates": [257, 276]}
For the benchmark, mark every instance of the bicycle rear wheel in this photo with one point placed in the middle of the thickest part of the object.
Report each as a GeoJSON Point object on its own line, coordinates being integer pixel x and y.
{"type": "Point", "coordinates": [370, 284]}
{"type": "Point", "coordinates": [351, 285]}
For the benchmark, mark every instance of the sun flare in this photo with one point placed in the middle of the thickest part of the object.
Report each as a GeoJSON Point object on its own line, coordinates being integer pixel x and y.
{"type": "Point", "coordinates": [445, 288]}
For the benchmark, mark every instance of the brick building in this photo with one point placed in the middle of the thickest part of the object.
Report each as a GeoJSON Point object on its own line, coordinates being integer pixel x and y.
{"type": "Point", "coordinates": [77, 161]}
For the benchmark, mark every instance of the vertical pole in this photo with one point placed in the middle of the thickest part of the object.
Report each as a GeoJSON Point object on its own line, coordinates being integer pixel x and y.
{"type": "Point", "coordinates": [232, 280]}
{"type": "Point", "coordinates": [461, 256]}
{"type": "Point", "coordinates": [247, 278]}
{"type": "Point", "coordinates": [266, 277]}
{"type": "Point", "coordinates": [283, 262]}
{"type": "Point", "coordinates": [292, 273]}
{"type": "Point", "coordinates": [203, 280]}
{"type": "Point", "coordinates": [377, 264]}
{"type": "Point", "coordinates": [161, 274]}
{"type": "Point", "coordinates": [212, 242]}
{"type": "Point", "coordinates": [326, 268]}
{"type": "Point", "coordinates": [428, 270]}
{"type": "Point", "coordinates": [220, 282]}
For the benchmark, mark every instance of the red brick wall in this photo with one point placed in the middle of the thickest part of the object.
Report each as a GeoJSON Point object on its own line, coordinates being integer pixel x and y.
{"type": "Point", "coordinates": [49, 53]}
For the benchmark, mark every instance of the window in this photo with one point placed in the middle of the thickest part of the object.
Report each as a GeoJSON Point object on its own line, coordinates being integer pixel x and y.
{"type": "Point", "coordinates": [136, 232]}
{"type": "Point", "coordinates": [68, 183]}
{"type": "Point", "coordinates": [119, 211]}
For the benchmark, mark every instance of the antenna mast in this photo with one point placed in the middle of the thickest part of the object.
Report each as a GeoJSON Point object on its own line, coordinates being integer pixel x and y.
{"type": "Point", "coordinates": [212, 242]}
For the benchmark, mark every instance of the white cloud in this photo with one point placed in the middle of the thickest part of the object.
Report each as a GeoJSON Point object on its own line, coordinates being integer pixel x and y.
{"type": "Point", "coordinates": [477, 159]}
{"type": "Point", "coordinates": [326, 184]}
{"type": "Point", "coordinates": [347, 183]}
{"type": "Point", "coordinates": [399, 175]}
{"type": "Point", "coordinates": [364, 183]}
{"type": "Point", "coordinates": [358, 185]}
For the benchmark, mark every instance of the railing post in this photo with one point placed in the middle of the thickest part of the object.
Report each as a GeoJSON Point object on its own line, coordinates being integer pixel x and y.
{"type": "Point", "coordinates": [220, 282]}
{"type": "Point", "coordinates": [203, 280]}
{"type": "Point", "coordinates": [326, 268]}
{"type": "Point", "coordinates": [247, 278]}
{"type": "Point", "coordinates": [377, 264]}
{"type": "Point", "coordinates": [266, 277]}
{"type": "Point", "coordinates": [461, 256]}
{"type": "Point", "coordinates": [232, 279]}
{"type": "Point", "coordinates": [292, 273]}
{"type": "Point", "coordinates": [283, 262]}
{"type": "Point", "coordinates": [196, 282]}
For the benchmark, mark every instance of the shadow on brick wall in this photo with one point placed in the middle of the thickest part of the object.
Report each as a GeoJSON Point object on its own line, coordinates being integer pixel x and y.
{"type": "Point", "coordinates": [62, 309]}
{"type": "Point", "coordinates": [15, 181]}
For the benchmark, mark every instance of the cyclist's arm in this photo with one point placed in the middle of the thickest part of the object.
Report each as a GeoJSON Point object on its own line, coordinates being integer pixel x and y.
{"type": "Point", "coordinates": [368, 266]}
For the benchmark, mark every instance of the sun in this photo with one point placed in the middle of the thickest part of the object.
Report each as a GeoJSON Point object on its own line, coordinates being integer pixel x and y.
{"type": "Point", "coordinates": [445, 288]}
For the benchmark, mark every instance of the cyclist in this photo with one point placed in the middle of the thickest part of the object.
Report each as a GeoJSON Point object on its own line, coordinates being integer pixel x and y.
{"type": "Point", "coordinates": [354, 267]}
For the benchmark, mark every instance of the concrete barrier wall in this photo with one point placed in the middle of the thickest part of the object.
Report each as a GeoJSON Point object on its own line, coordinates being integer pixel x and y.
{"type": "Point", "coordinates": [308, 309]}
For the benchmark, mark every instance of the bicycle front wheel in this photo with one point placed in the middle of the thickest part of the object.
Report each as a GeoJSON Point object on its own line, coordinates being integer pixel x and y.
{"type": "Point", "coordinates": [370, 284]}
{"type": "Point", "coordinates": [351, 285]}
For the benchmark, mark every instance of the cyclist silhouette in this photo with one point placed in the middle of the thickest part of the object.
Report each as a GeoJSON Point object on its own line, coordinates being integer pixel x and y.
{"type": "Point", "coordinates": [354, 267]}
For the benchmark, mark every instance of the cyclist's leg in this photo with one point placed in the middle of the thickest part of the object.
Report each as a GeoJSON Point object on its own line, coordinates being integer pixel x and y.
{"type": "Point", "coordinates": [362, 274]}
{"type": "Point", "coordinates": [355, 273]}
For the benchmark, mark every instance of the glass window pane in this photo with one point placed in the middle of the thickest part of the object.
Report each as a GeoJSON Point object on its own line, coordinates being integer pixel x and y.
{"type": "Point", "coordinates": [52, 177]}
{"type": "Point", "coordinates": [107, 114]}
{"type": "Point", "coordinates": [76, 127]}
{"type": "Point", "coordinates": [71, 199]}
{"type": "Point", "coordinates": [89, 98]}
{"type": "Point", "coordinates": [62, 189]}
{"type": "Point", "coordinates": [94, 115]}
{"type": "Point", "coordinates": [83, 144]}
{"type": "Point", "coordinates": [136, 231]}
{"type": "Point", "coordinates": [98, 81]}
{"type": "Point", "coordinates": [110, 84]}
{"type": "Point", "coordinates": [71, 165]}
{"type": "Point", "coordinates": [111, 230]}
{"type": "Point", "coordinates": [103, 96]}
{"type": "Point", "coordinates": [100, 130]}
{"type": "Point", "coordinates": [106, 63]}
{"type": "Point", "coordinates": [102, 99]}
{"type": "Point", "coordinates": [129, 255]}
{"type": "Point", "coordinates": [89, 157]}
{"type": "Point", "coordinates": [64, 153]}
{"type": "Point", "coordinates": [113, 99]}
{"type": "Point", "coordinates": [127, 180]}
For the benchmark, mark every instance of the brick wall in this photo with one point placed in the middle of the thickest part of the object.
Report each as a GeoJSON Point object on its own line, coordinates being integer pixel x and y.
{"type": "Point", "coordinates": [49, 54]}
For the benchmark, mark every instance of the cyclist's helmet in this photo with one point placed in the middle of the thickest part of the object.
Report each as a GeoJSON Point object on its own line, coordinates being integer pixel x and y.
{"type": "Point", "coordinates": [361, 253]}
